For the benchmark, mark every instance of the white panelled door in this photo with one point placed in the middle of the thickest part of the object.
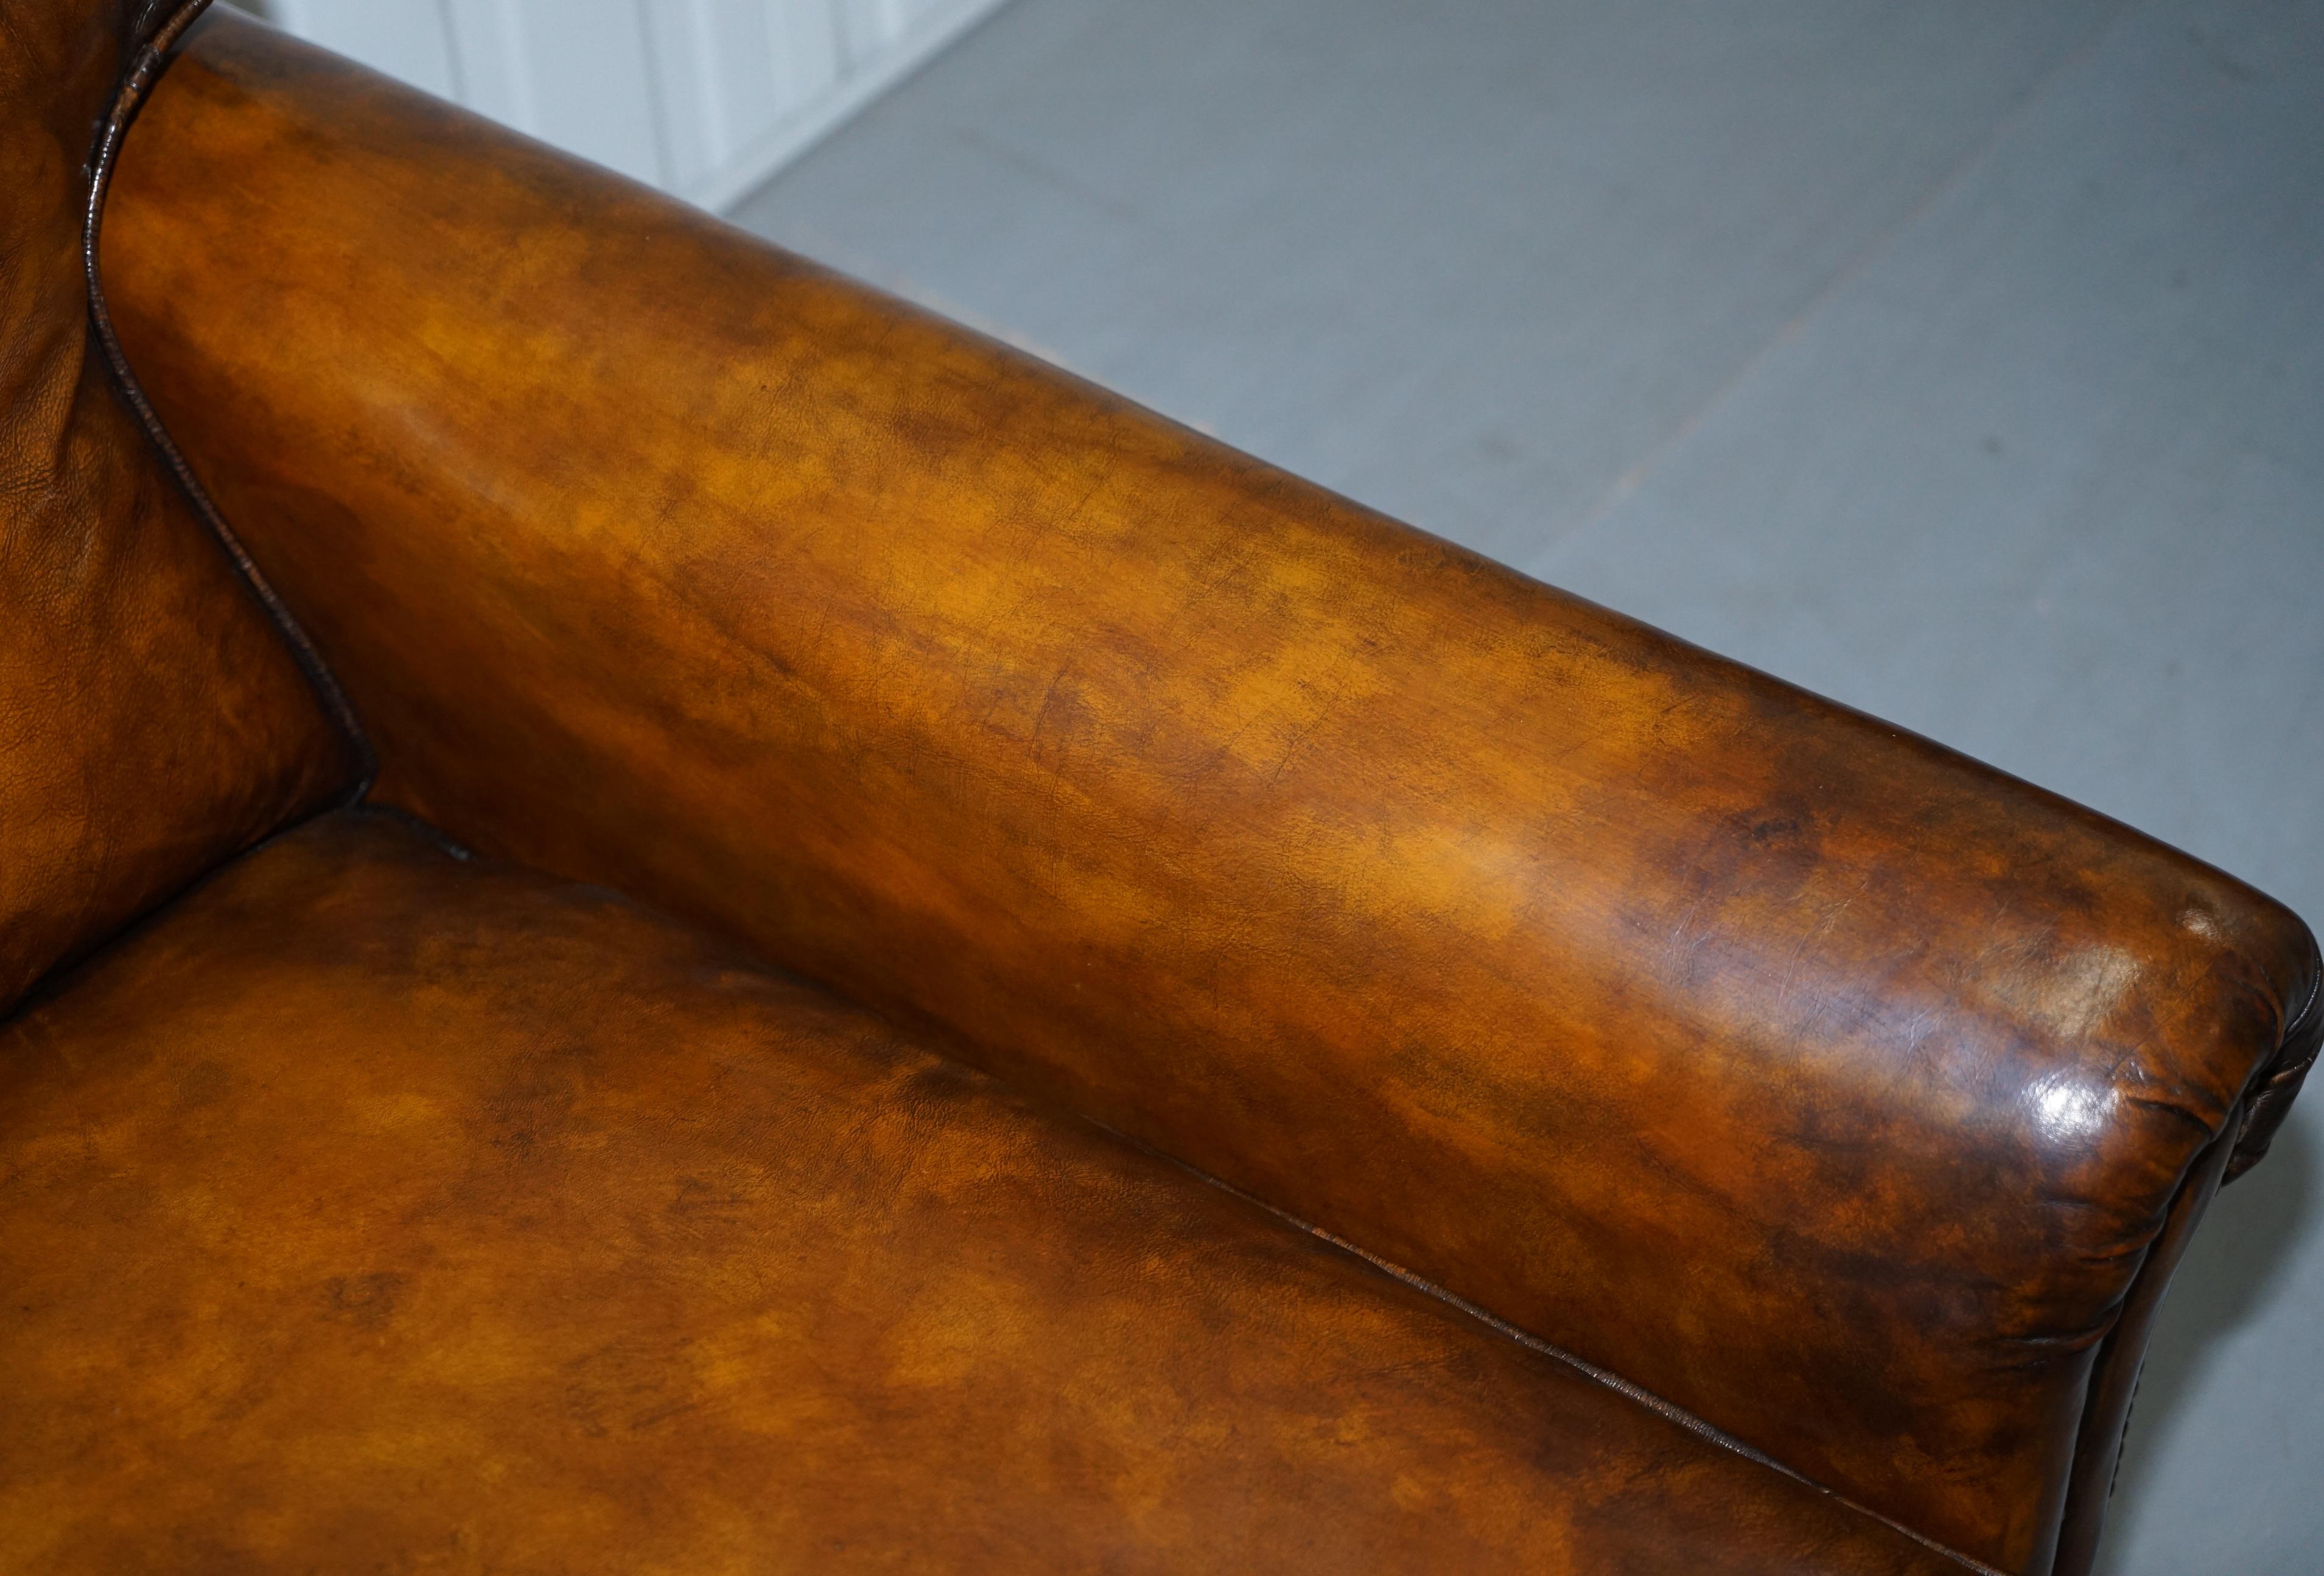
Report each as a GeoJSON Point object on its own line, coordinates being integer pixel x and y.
{"type": "Point", "coordinates": [704, 98]}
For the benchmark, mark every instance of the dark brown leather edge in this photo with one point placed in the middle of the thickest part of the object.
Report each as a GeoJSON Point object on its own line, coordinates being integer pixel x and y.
{"type": "Point", "coordinates": [2113, 1383]}
{"type": "Point", "coordinates": [2242, 1143]}
{"type": "Point", "coordinates": [2274, 1087]}
{"type": "Point", "coordinates": [156, 43]}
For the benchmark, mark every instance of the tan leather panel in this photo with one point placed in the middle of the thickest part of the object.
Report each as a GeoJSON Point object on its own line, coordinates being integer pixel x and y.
{"type": "Point", "coordinates": [1816, 1078]}
{"type": "Point", "coordinates": [371, 1210]}
{"type": "Point", "coordinates": [152, 722]}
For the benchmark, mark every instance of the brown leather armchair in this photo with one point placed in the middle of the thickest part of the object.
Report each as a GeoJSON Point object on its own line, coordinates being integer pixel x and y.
{"type": "Point", "coordinates": [1031, 993]}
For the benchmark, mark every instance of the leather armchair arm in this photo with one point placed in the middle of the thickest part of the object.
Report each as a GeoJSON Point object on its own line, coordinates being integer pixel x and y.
{"type": "Point", "coordinates": [1816, 1078]}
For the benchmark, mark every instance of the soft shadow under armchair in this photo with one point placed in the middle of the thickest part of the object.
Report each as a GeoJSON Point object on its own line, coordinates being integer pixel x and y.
{"type": "Point", "coordinates": [1834, 1107]}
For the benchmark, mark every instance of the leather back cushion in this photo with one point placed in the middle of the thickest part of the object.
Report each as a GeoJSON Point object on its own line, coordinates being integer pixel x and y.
{"type": "Point", "coordinates": [152, 721]}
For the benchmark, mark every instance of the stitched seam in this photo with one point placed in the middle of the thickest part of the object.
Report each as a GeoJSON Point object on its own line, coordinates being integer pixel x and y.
{"type": "Point", "coordinates": [145, 70]}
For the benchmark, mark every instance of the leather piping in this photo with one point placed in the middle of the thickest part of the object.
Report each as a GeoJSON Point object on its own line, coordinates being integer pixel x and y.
{"type": "Point", "coordinates": [144, 70]}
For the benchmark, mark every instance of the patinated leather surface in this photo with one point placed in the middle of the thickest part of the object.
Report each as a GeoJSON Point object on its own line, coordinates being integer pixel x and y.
{"type": "Point", "coordinates": [2106, 1411]}
{"type": "Point", "coordinates": [1817, 1079]}
{"type": "Point", "coordinates": [373, 1210]}
{"type": "Point", "coordinates": [151, 721]}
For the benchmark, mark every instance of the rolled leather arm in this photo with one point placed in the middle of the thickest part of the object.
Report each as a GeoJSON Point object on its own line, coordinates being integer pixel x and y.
{"type": "Point", "coordinates": [1808, 1075]}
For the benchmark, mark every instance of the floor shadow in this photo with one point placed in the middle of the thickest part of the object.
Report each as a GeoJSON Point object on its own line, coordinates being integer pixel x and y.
{"type": "Point", "coordinates": [2231, 1268]}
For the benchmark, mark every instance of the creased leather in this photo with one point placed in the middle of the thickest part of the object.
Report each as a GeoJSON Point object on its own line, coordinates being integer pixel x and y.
{"type": "Point", "coordinates": [370, 1209]}
{"type": "Point", "coordinates": [1806, 1075]}
{"type": "Point", "coordinates": [151, 721]}
{"type": "Point", "coordinates": [2278, 1083]}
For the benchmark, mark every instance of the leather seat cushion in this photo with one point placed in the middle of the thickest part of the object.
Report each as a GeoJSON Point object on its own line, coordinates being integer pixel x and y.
{"type": "Point", "coordinates": [370, 1208]}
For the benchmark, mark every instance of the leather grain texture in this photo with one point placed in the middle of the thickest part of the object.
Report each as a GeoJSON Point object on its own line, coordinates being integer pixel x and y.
{"type": "Point", "coordinates": [373, 1210]}
{"type": "Point", "coordinates": [1819, 1080]}
{"type": "Point", "coordinates": [152, 722]}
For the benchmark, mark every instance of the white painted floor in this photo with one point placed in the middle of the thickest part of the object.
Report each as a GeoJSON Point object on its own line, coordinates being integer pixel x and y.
{"type": "Point", "coordinates": [1964, 361]}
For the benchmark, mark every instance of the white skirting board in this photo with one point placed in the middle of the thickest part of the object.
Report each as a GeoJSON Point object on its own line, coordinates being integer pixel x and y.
{"type": "Point", "coordinates": [704, 98]}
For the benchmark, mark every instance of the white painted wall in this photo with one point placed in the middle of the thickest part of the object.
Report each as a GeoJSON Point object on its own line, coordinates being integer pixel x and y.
{"type": "Point", "coordinates": [704, 98]}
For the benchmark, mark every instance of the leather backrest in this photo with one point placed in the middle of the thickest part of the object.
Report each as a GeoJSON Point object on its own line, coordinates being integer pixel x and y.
{"type": "Point", "coordinates": [1819, 1080]}
{"type": "Point", "coordinates": [153, 720]}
